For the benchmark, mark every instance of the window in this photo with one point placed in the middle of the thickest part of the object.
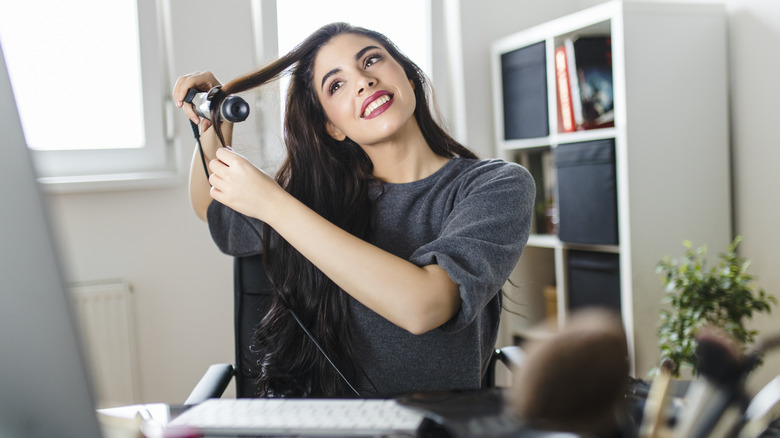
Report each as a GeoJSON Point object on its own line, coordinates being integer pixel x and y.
{"type": "Point", "coordinates": [279, 26]}
{"type": "Point", "coordinates": [87, 76]}
{"type": "Point", "coordinates": [405, 22]}
{"type": "Point", "coordinates": [90, 81]}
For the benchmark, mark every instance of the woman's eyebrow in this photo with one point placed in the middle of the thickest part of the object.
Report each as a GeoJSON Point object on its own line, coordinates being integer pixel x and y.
{"type": "Point", "coordinates": [358, 55]}
{"type": "Point", "coordinates": [363, 51]}
{"type": "Point", "coordinates": [329, 74]}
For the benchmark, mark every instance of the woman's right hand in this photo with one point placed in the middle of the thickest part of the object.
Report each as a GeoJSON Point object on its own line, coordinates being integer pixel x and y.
{"type": "Point", "coordinates": [199, 187]}
{"type": "Point", "coordinates": [202, 81]}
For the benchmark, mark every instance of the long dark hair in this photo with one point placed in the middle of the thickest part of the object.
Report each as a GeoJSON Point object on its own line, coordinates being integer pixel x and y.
{"type": "Point", "coordinates": [332, 178]}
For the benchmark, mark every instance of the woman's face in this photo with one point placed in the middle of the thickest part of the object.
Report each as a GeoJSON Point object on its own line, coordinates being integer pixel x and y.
{"type": "Point", "coordinates": [364, 91]}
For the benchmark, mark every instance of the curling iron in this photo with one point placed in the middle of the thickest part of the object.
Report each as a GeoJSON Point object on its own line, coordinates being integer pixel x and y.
{"type": "Point", "coordinates": [233, 108]}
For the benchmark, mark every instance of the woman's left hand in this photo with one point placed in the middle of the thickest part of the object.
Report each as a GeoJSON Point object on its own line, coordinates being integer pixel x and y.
{"type": "Point", "coordinates": [240, 185]}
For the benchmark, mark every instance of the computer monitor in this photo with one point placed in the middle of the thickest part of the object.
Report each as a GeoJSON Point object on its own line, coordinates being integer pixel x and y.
{"type": "Point", "coordinates": [44, 386]}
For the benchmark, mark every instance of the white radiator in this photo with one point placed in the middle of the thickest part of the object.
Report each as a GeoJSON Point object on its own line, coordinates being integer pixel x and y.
{"type": "Point", "coordinates": [104, 312]}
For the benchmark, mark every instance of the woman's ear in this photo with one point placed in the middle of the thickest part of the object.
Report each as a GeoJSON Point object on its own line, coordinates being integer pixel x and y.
{"type": "Point", "coordinates": [334, 132]}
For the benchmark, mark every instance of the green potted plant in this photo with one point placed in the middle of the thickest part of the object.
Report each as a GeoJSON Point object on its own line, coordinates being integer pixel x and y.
{"type": "Point", "coordinates": [724, 296]}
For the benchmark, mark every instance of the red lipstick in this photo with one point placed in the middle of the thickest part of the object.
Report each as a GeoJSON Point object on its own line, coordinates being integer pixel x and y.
{"type": "Point", "coordinates": [380, 109]}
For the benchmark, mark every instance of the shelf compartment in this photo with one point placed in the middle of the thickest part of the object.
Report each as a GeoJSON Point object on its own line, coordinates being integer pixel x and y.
{"type": "Point", "coordinates": [587, 192]}
{"type": "Point", "coordinates": [594, 280]}
{"type": "Point", "coordinates": [524, 92]}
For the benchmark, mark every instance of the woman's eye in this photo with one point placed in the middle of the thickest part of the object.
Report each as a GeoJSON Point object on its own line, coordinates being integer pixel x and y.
{"type": "Point", "coordinates": [373, 59]}
{"type": "Point", "coordinates": [334, 86]}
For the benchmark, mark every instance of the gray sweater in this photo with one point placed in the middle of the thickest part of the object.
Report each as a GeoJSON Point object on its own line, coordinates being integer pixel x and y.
{"type": "Point", "coordinates": [472, 218]}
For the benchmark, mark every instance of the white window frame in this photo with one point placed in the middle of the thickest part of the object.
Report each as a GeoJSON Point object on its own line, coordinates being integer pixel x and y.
{"type": "Point", "coordinates": [152, 164]}
{"type": "Point", "coordinates": [156, 164]}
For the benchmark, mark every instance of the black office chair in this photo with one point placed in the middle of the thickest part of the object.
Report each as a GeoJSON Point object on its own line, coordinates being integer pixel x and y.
{"type": "Point", "coordinates": [252, 296]}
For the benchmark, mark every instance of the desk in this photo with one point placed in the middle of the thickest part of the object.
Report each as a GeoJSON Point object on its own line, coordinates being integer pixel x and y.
{"type": "Point", "coordinates": [448, 414]}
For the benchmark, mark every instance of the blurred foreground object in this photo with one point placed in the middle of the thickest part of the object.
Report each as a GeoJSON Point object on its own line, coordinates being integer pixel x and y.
{"type": "Point", "coordinates": [574, 381]}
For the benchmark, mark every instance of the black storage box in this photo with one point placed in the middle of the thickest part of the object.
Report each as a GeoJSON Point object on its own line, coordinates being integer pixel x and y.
{"type": "Point", "coordinates": [594, 279]}
{"type": "Point", "coordinates": [524, 77]}
{"type": "Point", "coordinates": [587, 192]}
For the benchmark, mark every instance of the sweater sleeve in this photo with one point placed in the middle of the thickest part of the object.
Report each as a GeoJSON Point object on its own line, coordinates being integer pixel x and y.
{"type": "Point", "coordinates": [483, 236]}
{"type": "Point", "coordinates": [235, 234]}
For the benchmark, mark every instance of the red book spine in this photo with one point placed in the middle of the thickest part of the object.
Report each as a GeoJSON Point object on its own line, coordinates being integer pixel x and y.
{"type": "Point", "coordinates": [565, 106]}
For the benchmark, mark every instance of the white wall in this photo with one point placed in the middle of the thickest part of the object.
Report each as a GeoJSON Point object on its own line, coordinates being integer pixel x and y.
{"type": "Point", "coordinates": [754, 52]}
{"type": "Point", "coordinates": [183, 285]}
{"type": "Point", "coordinates": [482, 23]}
{"type": "Point", "coordinates": [754, 60]}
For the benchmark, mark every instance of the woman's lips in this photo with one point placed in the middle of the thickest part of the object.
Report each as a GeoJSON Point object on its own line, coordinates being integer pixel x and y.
{"type": "Point", "coordinates": [376, 104]}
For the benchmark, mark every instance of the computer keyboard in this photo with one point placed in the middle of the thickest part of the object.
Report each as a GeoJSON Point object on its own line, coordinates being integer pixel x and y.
{"type": "Point", "coordinates": [308, 417]}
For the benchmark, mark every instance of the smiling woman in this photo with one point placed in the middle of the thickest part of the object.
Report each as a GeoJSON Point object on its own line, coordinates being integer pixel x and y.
{"type": "Point", "coordinates": [386, 241]}
{"type": "Point", "coordinates": [361, 81]}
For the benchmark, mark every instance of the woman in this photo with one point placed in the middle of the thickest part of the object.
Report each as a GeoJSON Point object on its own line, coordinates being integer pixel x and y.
{"type": "Point", "coordinates": [385, 237]}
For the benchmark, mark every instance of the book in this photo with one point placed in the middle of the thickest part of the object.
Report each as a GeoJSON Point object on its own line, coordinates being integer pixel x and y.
{"type": "Point", "coordinates": [563, 85]}
{"type": "Point", "coordinates": [551, 301]}
{"type": "Point", "coordinates": [574, 84]}
{"type": "Point", "coordinates": [594, 76]}
{"type": "Point", "coordinates": [540, 163]}
{"type": "Point", "coordinates": [590, 78]}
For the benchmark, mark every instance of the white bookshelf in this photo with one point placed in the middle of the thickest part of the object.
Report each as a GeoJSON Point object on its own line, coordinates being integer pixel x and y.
{"type": "Point", "coordinates": [672, 157]}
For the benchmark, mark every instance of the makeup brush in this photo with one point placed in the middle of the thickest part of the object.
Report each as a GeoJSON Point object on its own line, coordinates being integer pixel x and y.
{"type": "Point", "coordinates": [574, 380]}
{"type": "Point", "coordinates": [721, 373]}
{"type": "Point", "coordinates": [655, 421]}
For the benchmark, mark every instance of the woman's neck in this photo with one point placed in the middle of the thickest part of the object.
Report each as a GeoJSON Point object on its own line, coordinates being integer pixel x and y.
{"type": "Point", "coordinates": [404, 158]}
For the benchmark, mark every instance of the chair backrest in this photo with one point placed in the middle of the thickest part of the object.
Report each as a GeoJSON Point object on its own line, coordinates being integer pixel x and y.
{"type": "Point", "coordinates": [252, 299]}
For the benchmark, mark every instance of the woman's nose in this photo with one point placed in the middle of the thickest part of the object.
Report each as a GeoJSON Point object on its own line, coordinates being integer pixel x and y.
{"type": "Point", "coordinates": [368, 83]}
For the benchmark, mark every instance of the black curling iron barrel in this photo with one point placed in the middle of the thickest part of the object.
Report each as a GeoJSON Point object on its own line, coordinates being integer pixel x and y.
{"type": "Point", "coordinates": [233, 108]}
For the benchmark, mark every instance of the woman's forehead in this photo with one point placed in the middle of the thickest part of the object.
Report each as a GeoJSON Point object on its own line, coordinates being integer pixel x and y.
{"type": "Point", "coordinates": [341, 50]}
